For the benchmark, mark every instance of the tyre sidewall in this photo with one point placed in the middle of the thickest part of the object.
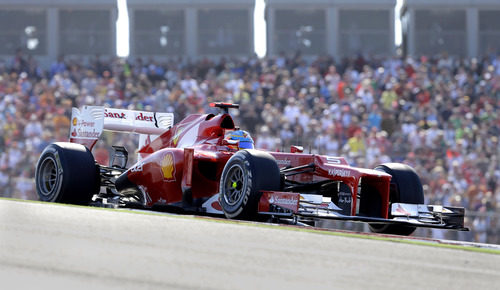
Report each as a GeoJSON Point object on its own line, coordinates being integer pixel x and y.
{"type": "Point", "coordinates": [50, 154]}
{"type": "Point", "coordinates": [77, 173]}
{"type": "Point", "coordinates": [261, 173]}
{"type": "Point", "coordinates": [238, 209]}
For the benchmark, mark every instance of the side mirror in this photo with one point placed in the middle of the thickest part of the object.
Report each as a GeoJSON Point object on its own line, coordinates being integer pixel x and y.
{"type": "Point", "coordinates": [296, 149]}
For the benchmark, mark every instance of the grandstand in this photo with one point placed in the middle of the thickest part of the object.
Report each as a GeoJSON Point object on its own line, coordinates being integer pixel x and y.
{"type": "Point", "coordinates": [462, 28]}
{"type": "Point", "coordinates": [336, 28]}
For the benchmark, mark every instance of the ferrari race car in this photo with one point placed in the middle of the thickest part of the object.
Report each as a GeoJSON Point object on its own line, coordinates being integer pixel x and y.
{"type": "Point", "coordinates": [191, 167]}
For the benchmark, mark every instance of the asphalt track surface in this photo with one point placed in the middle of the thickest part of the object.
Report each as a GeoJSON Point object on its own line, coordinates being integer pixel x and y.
{"type": "Point", "coordinates": [50, 246]}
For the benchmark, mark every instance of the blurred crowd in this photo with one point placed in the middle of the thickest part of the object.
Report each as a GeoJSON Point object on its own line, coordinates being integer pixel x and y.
{"type": "Point", "coordinates": [438, 114]}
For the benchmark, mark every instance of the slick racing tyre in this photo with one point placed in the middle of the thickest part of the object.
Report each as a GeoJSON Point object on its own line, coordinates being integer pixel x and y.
{"type": "Point", "coordinates": [245, 174]}
{"type": "Point", "coordinates": [67, 173]}
{"type": "Point", "coordinates": [405, 188]}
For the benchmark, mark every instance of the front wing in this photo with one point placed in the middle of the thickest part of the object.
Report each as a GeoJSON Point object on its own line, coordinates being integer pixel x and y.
{"type": "Point", "coordinates": [289, 204]}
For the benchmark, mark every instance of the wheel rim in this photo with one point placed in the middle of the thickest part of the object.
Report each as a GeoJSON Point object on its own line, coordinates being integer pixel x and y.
{"type": "Point", "coordinates": [48, 180]}
{"type": "Point", "coordinates": [235, 185]}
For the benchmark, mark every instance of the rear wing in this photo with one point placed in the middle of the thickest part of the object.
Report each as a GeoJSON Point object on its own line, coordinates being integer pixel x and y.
{"type": "Point", "coordinates": [88, 123]}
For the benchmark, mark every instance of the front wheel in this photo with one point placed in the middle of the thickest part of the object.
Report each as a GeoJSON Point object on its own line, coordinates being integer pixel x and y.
{"type": "Point", "coordinates": [405, 188]}
{"type": "Point", "coordinates": [67, 173]}
{"type": "Point", "coordinates": [245, 174]}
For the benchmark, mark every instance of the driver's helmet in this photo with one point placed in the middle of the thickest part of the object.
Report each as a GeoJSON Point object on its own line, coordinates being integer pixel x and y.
{"type": "Point", "coordinates": [246, 141]}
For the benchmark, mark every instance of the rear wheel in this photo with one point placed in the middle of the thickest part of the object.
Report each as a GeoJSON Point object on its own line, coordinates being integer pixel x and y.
{"type": "Point", "coordinates": [245, 174]}
{"type": "Point", "coordinates": [405, 188]}
{"type": "Point", "coordinates": [67, 173]}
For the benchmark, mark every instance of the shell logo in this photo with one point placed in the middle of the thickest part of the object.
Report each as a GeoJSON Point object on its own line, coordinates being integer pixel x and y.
{"type": "Point", "coordinates": [177, 135]}
{"type": "Point", "coordinates": [168, 167]}
{"type": "Point", "coordinates": [75, 121]}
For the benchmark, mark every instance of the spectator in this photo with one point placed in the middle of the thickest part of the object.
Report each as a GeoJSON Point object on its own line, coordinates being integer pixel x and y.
{"type": "Point", "coordinates": [437, 114]}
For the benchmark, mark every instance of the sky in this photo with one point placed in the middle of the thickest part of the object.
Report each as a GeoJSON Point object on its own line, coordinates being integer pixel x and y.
{"type": "Point", "coordinates": [259, 29]}
{"type": "Point", "coordinates": [122, 28]}
{"type": "Point", "coordinates": [397, 26]}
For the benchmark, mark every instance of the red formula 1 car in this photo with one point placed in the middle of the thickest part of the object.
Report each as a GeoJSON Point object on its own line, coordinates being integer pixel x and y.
{"type": "Point", "coordinates": [193, 167]}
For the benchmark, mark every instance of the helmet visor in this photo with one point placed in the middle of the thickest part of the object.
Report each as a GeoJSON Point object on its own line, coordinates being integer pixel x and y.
{"type": "Point", "coordinates": [246, 144]}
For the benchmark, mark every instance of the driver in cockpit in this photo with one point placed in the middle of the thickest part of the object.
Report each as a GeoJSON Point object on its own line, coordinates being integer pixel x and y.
{"type": "Point", "coordinates": [244, 138]}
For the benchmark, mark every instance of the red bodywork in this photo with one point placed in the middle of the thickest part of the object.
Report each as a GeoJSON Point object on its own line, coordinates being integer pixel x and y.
{"type": "Point", "coordinates": [191, 157]}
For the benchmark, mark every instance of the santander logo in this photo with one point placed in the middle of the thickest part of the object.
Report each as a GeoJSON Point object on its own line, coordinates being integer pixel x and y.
{"type": "Point", "coordinates": [143, 117]}
{"type": "Point", "coordinates": [115, 115]}
{"type": "Point", "coordinates": [284, 200]}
